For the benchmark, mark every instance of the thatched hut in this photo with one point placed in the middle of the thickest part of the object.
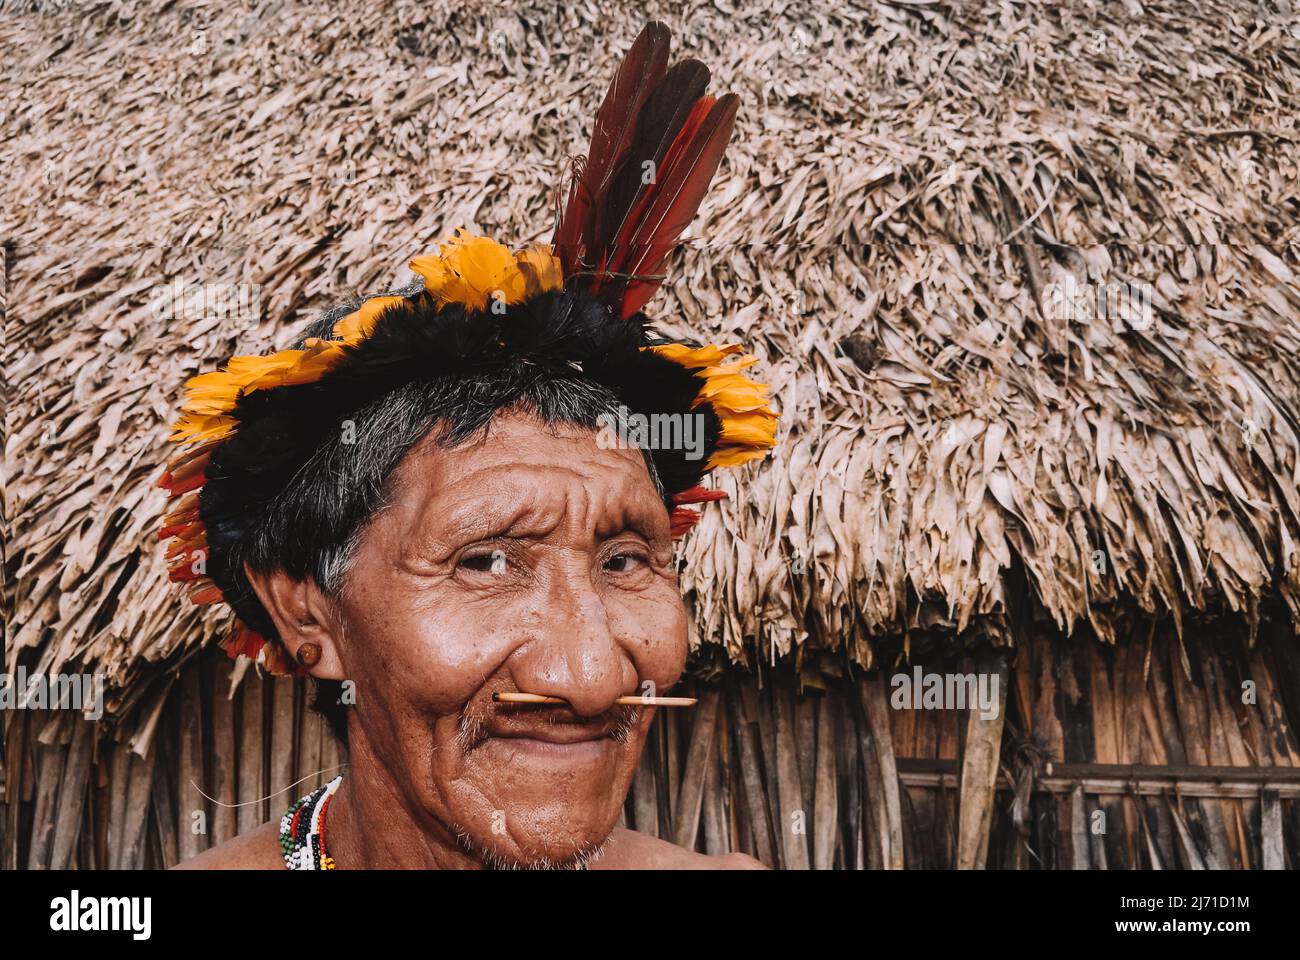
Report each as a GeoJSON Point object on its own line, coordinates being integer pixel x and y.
{"type": "Point", "coordinates": [1093, 497]}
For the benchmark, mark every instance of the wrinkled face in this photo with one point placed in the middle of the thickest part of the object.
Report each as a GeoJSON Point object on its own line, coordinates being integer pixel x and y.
{"type": "Point", "coordinates": [528, 561]}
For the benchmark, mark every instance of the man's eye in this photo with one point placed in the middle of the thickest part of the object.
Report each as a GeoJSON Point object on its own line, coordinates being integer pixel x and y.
{"type": "Point", "coordinates": [494, 562]}
{"type": "Point", "coordinates": [622, 563]}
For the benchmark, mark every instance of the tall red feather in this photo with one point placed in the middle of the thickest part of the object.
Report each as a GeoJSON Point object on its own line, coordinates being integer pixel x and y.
{"type": "Point", "coordinates": [611, 134]}
{"type": "Point", "coordinates": [688, 168]}
{"type": "Point", "coordinates": [619, 226]}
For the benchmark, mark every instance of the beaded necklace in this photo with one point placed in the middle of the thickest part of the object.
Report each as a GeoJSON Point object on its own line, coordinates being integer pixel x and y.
{"type": "Point", "coordinates": [302, 830]}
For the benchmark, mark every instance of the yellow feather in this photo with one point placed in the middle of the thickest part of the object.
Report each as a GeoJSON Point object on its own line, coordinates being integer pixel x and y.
{"type": "Point", "coordinates": [475, 271]}
{"type": "Point", "coordinates": [748, 422]}
{"type": "Point", "coordinates": [356, 326]}
{"type": "Point", "coordinates": [693, 357]}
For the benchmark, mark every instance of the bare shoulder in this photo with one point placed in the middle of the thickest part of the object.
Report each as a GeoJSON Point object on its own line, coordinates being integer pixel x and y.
{"type": "Point", "coordinates": [629, 850]}
{"type": "Point", "coordinates": [256, 850]}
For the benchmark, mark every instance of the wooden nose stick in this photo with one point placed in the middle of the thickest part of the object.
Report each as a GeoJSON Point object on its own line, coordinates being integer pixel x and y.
{"type": "Point", "coordinates": [629, 701]}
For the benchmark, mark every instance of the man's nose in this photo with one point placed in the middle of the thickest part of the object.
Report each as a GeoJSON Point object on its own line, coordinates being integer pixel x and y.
{"type": "Point", "coordinates": [572, 652]}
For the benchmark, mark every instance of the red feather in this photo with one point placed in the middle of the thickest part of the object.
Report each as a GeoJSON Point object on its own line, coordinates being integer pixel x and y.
{"type": "Point", "coordinates": [698, 494]}
{"type": "Point", "coordinates": [666, 110]}
{"type": "Point", "coordinates": [684, 178]}
{"type": "Point", "coordinates": [612, 132]}
{"type": "Point", "coordinates": [681, 521]}
{"type": "Point", "coordinates": [618, 230]}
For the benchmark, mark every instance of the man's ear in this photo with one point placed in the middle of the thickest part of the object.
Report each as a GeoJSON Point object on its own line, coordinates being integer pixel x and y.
{"type": "Point", "coordinates": [301, 614]}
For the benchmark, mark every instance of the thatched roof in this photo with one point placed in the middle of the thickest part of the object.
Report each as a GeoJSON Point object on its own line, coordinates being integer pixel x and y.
{"type": "Point", "coordinates": [905, 181]}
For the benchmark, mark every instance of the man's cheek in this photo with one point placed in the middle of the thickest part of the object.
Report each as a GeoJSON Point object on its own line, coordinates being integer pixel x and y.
{"type": "Point", "coordinates": [434, 655]}
{"type": "Point", "coordinates": [655, 632]}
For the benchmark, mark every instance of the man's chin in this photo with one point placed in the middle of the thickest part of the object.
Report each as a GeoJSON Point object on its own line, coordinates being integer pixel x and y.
{"type": "Point", "coordinates": [503, 853]}
{"type": "Point", "coordinates": [552, 805]}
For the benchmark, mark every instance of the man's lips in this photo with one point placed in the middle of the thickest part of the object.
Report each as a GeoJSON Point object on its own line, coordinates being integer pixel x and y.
{"type": "Point", "coordinates": [551, 734]}
{"type": "Point", "coordinates": [558, 725]}
{"type": "Point", "coordinates": [550, 731]}
{"type": "Point", "coordinates": [558, 735]}
{"type": "Point", "coordinates": [552, 744]}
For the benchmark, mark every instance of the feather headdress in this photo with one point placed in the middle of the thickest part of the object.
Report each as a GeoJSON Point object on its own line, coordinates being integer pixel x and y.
{"type": "Point", "coordinates": [656, 143]}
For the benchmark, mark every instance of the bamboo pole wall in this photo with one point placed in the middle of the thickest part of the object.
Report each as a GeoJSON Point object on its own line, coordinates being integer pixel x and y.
{"type": "Point", "coordinates": [829, 777]}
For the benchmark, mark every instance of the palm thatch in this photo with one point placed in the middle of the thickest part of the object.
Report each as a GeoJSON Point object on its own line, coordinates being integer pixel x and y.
{"type": "Point", "coordinates": [909, 185]}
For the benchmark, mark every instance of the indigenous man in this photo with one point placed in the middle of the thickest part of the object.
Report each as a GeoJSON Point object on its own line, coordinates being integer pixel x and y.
{"type": "Point", "coordinates": [425, 507]}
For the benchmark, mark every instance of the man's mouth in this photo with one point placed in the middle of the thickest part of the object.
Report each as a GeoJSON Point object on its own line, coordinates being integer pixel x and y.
{"type": "Point", "coordinates": [548, 731]}
{"type": "Point", "coordinates": [557, 736]}
{"type": "Point", "coordinates": [553, 747]}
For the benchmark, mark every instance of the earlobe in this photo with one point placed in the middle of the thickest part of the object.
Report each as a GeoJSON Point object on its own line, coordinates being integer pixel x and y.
{"type": "Point", "coordinates": [304, 618]}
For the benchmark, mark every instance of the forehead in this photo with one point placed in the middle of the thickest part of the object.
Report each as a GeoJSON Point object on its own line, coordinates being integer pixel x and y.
{"type": "Point", "coordinates": [519, 463]}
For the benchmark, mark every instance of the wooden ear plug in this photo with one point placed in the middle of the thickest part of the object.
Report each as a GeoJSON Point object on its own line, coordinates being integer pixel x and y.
{"type": "Point", "coordinates": [308, 654]}
{"type": "Point", "coordinates": [628, 701]}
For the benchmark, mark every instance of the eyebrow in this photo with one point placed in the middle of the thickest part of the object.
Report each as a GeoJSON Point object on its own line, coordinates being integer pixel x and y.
{"type": "Point", "coordinates": [477, 520]}
{"type": "Point", "coordinates": [636, 519]}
